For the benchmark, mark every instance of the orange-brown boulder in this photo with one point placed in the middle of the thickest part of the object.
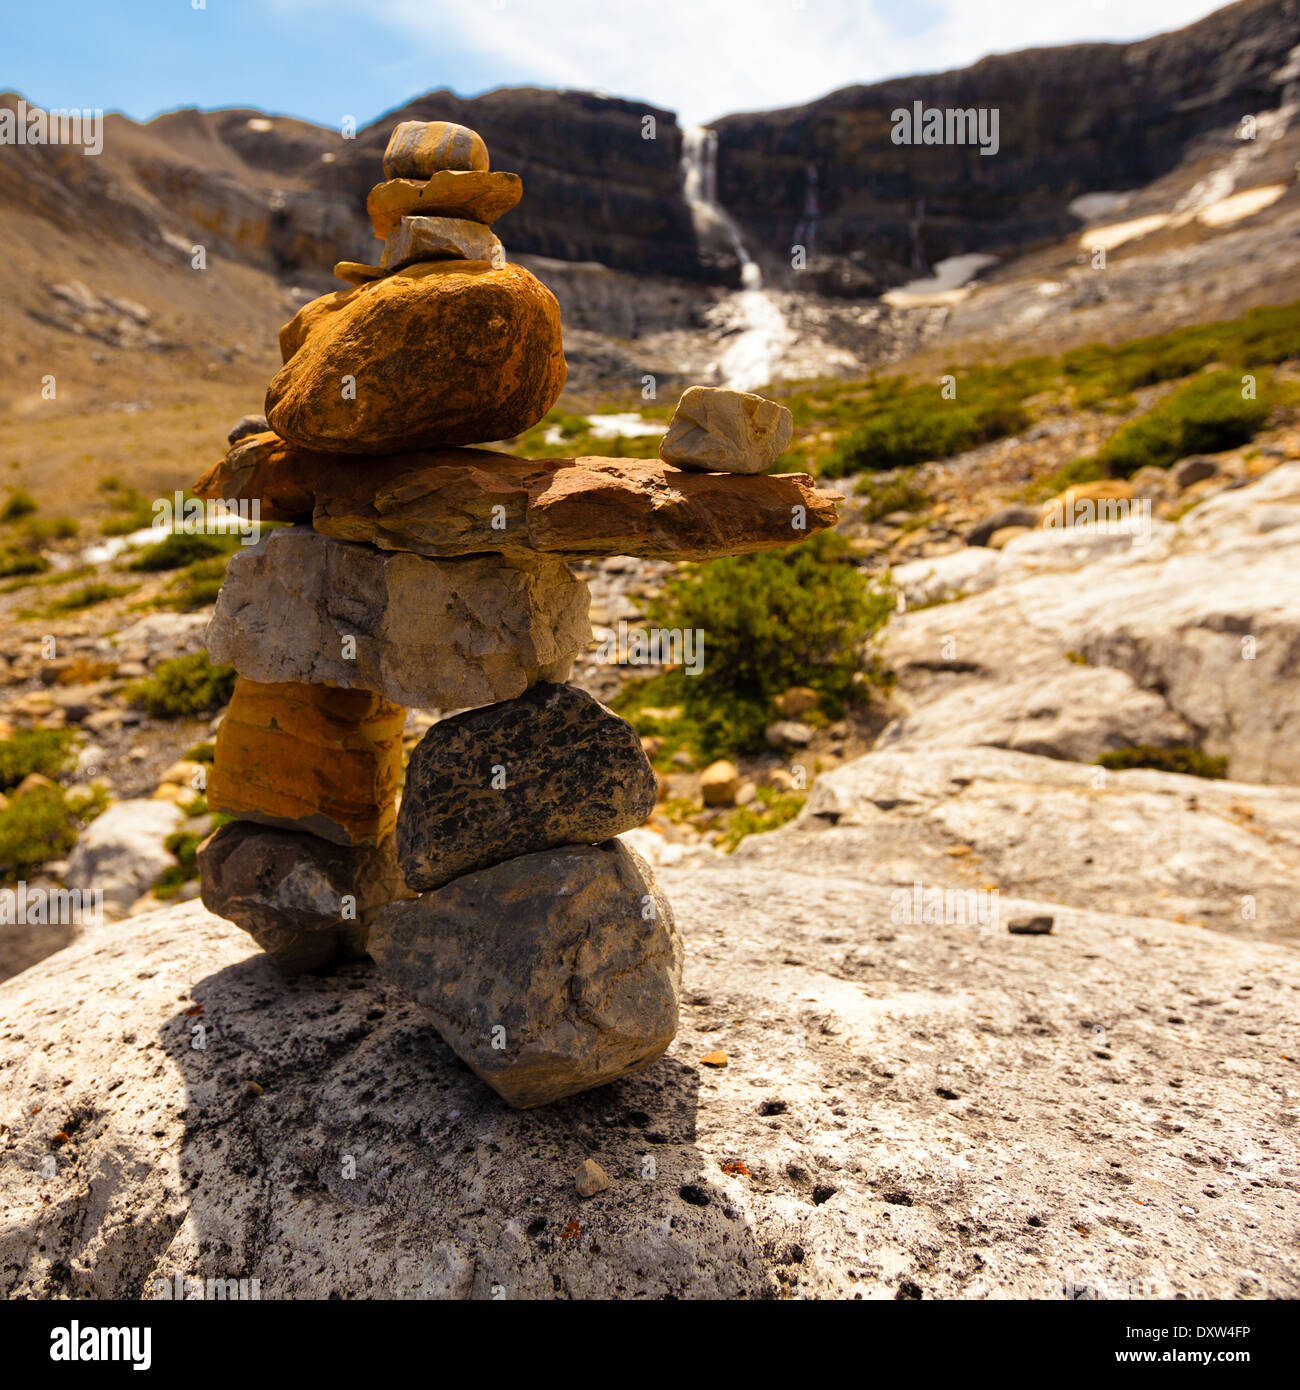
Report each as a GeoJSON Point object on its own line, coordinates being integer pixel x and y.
{"type": "Point", "coordinates": [294, 333]}
{"type": "Point", "coordinates": [310, 757]}
{"type": "Point", "coordinates": [451, 502]}
{"type": "Point", "coordinates": [448, 193]}
{"type": "Point", "coordinates": [263, 468]}
{"type": "Point", "coordinates": [441, 353]}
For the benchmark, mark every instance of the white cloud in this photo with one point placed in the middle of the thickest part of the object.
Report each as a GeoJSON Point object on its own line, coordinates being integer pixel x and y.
{"type": "Point", "coordinates": [705, 58]}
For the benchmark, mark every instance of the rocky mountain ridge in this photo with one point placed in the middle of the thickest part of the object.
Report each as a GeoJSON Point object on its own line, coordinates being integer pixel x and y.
{"type": "Point", "coordinates": [604, 180]}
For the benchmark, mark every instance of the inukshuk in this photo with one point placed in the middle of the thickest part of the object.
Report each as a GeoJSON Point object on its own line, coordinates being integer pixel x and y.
{"type": "Point", "coordinates": [420, 573]}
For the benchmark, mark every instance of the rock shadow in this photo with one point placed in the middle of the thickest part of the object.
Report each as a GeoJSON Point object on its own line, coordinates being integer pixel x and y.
{"type": "Point", "coordinates": [335, 1147]}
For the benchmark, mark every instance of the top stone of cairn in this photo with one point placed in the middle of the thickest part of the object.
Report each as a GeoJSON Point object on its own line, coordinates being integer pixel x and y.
{"type": "Point", "coordinates": [420, 149]}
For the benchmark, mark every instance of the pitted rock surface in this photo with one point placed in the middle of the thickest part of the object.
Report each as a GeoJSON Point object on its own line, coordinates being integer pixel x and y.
{"type": "Point", "coordinates": [552, 767]}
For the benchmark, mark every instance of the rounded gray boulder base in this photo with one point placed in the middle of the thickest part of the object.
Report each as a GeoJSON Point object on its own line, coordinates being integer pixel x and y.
{"type": "Point", "coordinates": [287, 890]}
{"type": "Point", "coordinates": [552, 767]}
{"type": "Point", "coordinates": [432, 634]}
{"type": "Point", "coordinates": [546, 975]}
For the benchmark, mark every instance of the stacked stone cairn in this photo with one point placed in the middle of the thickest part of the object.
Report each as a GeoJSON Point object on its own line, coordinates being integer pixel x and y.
{"type": "Point", "coordinates": [423, 573]}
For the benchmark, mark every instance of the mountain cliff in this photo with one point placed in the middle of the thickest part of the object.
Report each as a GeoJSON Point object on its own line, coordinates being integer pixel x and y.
{"type": "Point", "coordinates": [287, 196]}
{"type": "Point", "coordinates": [1071, 120]}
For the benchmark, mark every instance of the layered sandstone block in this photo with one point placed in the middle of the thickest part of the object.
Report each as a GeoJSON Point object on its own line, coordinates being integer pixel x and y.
{"type": "Point", "coordinates": [310, 757]}
{"type": "Point", "coordinates": [448, 193]}
{"type": "Point", "coordinates": [261, 467]}
{"type": "Point", "coordinates": [433, 634]}
{"type": "Point", "coordinates": [466, 501]}
{"type": "Point", "coordinates": [443, 352]}
{"type": "Point", "coordinates": [440, 238]}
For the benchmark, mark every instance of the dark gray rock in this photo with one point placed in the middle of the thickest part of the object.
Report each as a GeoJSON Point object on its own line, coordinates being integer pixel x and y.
{"type": "Point", "coordinates": [246, 425]}
{"type": "Point", "coordinates": [1194, 470]}
{"type": "Point", "coordinates": [1008, 516]}
{"type": "Point", "coordinates": [552, 767]}
{"type": "Point", "coordinates": [546, 975]}
{"type": "Point", "coordinates": [287, 890]}
{"type": "Point", "coordinates": [1031, 926]}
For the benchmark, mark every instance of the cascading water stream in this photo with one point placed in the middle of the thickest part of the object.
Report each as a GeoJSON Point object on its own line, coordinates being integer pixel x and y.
{"type": "Point", "coordinates": [750, 358]}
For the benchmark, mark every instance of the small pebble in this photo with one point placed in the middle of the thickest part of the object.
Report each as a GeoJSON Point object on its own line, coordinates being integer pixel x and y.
{"type": "Point", "coordinates": [1030, 926]}
{"type": "Point", "coordinates": [715, 1059]}
{"type": "Point", "coordinates": [591, 1178]}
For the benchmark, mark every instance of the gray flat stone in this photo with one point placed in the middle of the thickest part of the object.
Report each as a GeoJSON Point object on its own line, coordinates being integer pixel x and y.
{"type": "Point", "coordinates": [440, 634]}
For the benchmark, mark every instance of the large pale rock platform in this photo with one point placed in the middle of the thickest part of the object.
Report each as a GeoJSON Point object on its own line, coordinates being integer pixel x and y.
{"type": "Point", "coordinates": [1084, 640]}
{"type": "Point", "coordinates": [923, 1110]}
{"type": "Point", "coordinates": [299, 606]}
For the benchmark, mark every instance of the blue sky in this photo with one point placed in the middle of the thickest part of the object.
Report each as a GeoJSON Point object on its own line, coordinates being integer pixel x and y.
{"type": "Point", "coordinates": [326, 59]}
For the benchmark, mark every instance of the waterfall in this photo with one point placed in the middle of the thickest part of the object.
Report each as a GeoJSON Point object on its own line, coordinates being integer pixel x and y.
{"type": "Point", "coordinates": [751, 355]}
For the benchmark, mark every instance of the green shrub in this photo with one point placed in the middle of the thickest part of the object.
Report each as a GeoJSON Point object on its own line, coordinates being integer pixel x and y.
{"type": "Point", "coordinates": [47, 751]}
{"type": "Point", "coordinates": [774, 809]}
{"type": "Point", "coordinates": [796, 616]}
{"type": "Point", "coordinates": [178, 549]}
{"type": "Point", "coordinates": [1202, 417]}
{"type": "Point", "coordinates": [185, 685]}
{"type": "Point", "coordinates": [1176, 758]}
{"type": "Point", "coordinates": [922, 426]}
{"type": "Point", "coordinates": [204, 752]}
{"type": "Point", "coordinates": [14, 562]}
{"type": "Point", "coordinates": [1085, 470]}
{"type": "Point", "coordinates": [85, 597]}
{"type": "Point", "coordinates": [18, 504]}
{"type": "Point", "coordinates": [132, 513]}
{"type": "Point", "coordinates": [198, 584]}
{"type": "Point", "coordinates": [889, 495]}
{"type": "Point", "coordinates": [43, 825]}
{"type": "Point", "coordinates": [38, 529]}
{"type": "Point", "coordinates": [183, 844]}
